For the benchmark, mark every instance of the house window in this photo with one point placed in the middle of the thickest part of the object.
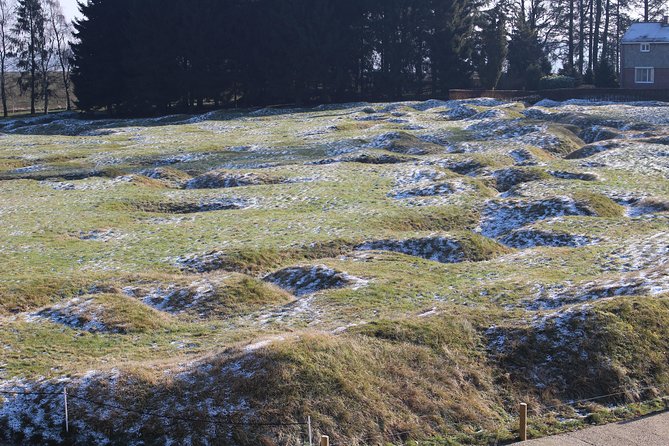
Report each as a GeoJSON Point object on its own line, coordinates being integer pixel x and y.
{"type": "Point", "coordinates": [645, 47]}
{"type": "Point", "coordinates": [644, 75]}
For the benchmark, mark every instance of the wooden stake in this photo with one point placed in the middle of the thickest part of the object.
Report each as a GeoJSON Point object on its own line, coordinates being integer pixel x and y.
{"type": "Point", "coordinates": [523, 422]}
{"type": "Point", "coordinates": [325, 440]}
{"type": "Point", "coordinates": [311, 437]}
{"type": "Point", "coordinates": [67, 415]}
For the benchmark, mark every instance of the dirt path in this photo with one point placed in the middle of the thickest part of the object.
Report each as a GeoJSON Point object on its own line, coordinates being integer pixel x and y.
{"type": "Point", "coordinates": [648, 431]}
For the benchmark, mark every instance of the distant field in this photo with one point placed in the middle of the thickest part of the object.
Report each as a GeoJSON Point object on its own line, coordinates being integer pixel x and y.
{"type": "Point", "coordinates": [19, 102]}
{"type": "Point", "coordinates": [397, 272]}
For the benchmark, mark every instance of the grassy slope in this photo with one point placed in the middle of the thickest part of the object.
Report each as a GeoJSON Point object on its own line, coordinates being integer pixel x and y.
{"type": "Point", "coordinates": [408, 351]}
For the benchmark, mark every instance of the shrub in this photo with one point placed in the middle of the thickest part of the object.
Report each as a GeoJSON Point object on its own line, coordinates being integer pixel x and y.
{"type": "Point", "coordinates": [553, 82]}
{"type": "Point", "coordinates": [605, 75]}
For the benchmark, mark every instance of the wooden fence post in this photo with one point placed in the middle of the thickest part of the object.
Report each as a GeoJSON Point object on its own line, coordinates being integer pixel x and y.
{"type": "Point", "coordinates": [311, 437]}
{"type": "Point", "coordinates": [67, 415]}
{"type": "Point", "coordinates": [325, 440]}
{"type": "Point", "coordinates": [523, 422]}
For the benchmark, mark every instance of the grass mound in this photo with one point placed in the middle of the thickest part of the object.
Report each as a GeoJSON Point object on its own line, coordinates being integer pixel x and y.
{"type": "Point", "coordinates": [368, 388]}
{"type": "Point", "coordinates": [236, 294]}
{"type": "Point", "coordinates": [506, 179]}
{"type": "Point", "coordinates": [591, 149]}
{"type": "Point", "coordinates": [112, 313]}
{"type": "Point", "coordinates": [591, 350]}
{"type": "Point", "coordinates": [600, 205]}
{"type": "Point", "coordinates": [256, 261]}
{"type": "Point", "coordinates": [406, 144]}
{"type": "Point", "coordinates": [303, 280]}
{"type": "Point", "coordinates": [189, 207]}
{"type": "Point", "coordinates": [225, 179]}
{"type": "Point", "coordinates": [167, 174]}
{"type": "Point", "coordinates": [444, 248]}
{"type": "Point", "coordinates": [442, 218]}
{"type": "Point", "coordinates": [566, 140]}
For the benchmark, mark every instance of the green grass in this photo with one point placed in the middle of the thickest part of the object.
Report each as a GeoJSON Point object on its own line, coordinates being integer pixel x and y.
{"type": "Point", "coordinates": [404, 355]}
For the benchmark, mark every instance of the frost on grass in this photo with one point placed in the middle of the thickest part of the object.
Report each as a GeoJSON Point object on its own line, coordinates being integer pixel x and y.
{"type": "Point", "coordinates": [79, 313]}
{"type": "Point", "coordinates": [163, 408]}
{"type": "Point", "coordinates": [644, 252]}
{"type": "Point", "coordinates": [531, 238]}
{"type": "Point", "coordinates": [425, 187]}
{"type": "Point", "coordinates": [556, 338]}
{"type": "Point", "coordinates": [464, 167]}
{"type": "Point", "coordinates": [210, 296]}
{"type": "Point", "coordinates": [101, 235]}
{"type": "Point", "coordinates": [598, 133]}
{"type": "Point", "coordinates": [303, 280]}
{"type": "Point", "coordinates": [224, 179]}
{"type": "Point", "coordinates": [548, 162]}
{"type": "Point", "coordinates": [651, 282]}
{"type": "Point", "coordinates": [102, 313]}
{"type": "Point", "coordinates": [194, 207]}
{"type": "Point", "coordinates": [638, 206]}
{"type": "Point", "coordinates": [563, 175]}
{"type": "Point", "coordinates": [430, 190]}
{"type": "Point", "coordinates": [367, 158]}
{"type": "Point", "coordinates": [438, 249]}
{"type": "Point", "coordinates": [201, 263]}
{"type": "Point", "coordinates": [502, 216]}
{"type": "Point", "coordinates": [405, 143]}
{"type": "Point", "coordinates": [508, 178]}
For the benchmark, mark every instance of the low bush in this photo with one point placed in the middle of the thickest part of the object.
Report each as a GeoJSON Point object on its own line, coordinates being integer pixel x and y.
{"type": "Point", "coordinates": [554, 82]}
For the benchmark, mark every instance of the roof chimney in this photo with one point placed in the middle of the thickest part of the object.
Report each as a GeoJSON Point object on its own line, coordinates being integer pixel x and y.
{"type": "Point", "coordinates": [665, 20]}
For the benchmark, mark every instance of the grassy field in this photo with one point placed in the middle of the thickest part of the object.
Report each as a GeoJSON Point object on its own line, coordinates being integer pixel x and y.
{"type": "Point", "coordinates": [398, 272]}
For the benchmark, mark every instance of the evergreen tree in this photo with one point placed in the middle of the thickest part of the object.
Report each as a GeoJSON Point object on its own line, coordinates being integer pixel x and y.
{"type": "Point", "coordinates": [492, 48]}
{"type": "Point", "coordinates": [452, 44]}
{"type": "Point", "coordinates": [527, 59]}
{"type": "Point", "coordinates": [99, 54]}
{"type": "Point", "coordinates": [146, 56]}
{"type": "Point", "coordinates": [30, 42]}
{"type": "Point", "coordinates": [605, 75]}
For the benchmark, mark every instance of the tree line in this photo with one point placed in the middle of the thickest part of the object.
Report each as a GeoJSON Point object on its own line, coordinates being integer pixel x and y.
{"type": "Point", "coordinates": [35, 40]}
{"type": "Point", "coordinates": [143, 56]}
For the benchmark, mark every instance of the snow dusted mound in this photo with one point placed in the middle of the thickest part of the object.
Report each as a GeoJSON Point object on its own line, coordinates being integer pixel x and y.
{"type": "Point", "coordinates": [500, 217]}
{"type": "Point", "coordinates": [438, 249]}
{"type": "Point", "coordinates": [303, 280]}
{"type": "Point", "coordinates": [224, 179]}
{"type": "Point", "coordinates": [530, 238]}
{"type": "Point", "coordinates": [241, 271]}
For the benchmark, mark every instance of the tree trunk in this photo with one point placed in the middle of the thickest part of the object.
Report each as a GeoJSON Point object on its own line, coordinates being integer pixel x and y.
{"type": "Point", "coordinates": [591, 34]}
{"type": "Point", "coordinates": [570, 56]}
{"type": "Point", "coordinates": [595, 44]}
{"type": "Point", "coordinates": [3, 90]}
{"type": "Point", "coordinates": [45, 91]}
{"type": "Point", "coordinates": [618, 31]}
{"type": "Point", "coordinates": [605, 37]}
{"type": "Point", "coordinates": [581, 36]}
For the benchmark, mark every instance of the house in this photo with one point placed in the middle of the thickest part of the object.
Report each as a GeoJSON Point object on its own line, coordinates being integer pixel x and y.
{"type": "Point", "coordinates": [645, 56]}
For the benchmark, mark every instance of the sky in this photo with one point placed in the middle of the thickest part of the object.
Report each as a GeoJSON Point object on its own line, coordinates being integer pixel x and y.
{"type": "Point", "coordinates": [70, 8]}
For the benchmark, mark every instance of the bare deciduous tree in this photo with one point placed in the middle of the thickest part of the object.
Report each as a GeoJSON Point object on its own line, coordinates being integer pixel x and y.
{"type": "Point", "coordinates": [61, 33]}
{"type": "Point", "coordinates": [6, 12]}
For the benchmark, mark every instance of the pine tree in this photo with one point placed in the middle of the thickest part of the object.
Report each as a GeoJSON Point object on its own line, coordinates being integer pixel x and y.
{"type": "Point", "coordinates": [29, 40]}
{"type": "Point", "coordinates": [492, 47]}
{"type": "Point", "coordinates": [452, 44]}
{"type": "Point", "coordinates": [97, 73]}
{"type": "Point", "coordinates": [527, 59]}
{"type": "Point", "coordinates": [605, 74]}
